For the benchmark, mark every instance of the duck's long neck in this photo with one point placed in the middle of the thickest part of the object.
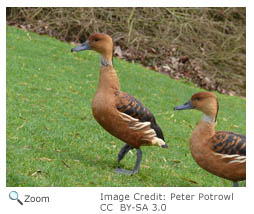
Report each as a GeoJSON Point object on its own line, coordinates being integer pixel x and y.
{"type": "Point", "coordinates": [204, 130]}
{"type": "Point", "coordinates": [107, 58]}
{"type": "Point", "coordinates": [208, 118]}
{"type": "Point", "coordinates": [108, 78]}
{"type": "Point", "coordinates": [106, 62]}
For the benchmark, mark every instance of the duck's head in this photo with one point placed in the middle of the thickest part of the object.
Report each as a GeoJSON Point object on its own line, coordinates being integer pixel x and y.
{"type": "Point", "coordinates": [99, 42]}
{"type": "Point", "coordinates": [202, 101]}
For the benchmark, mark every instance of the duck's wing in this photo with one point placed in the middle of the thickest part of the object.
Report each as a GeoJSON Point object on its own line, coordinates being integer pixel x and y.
{"type": "Point", "coordinates": [137, 114]}
{"type": "Point", "coordinates": [230, 145]}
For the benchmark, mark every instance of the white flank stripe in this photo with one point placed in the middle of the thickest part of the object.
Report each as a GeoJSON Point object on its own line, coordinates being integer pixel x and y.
{"type": "Point", "coordinates": [135, 124]}
{"type": "Point", "coordinates": [149, 133]}
{"type": "Point", "coordinates": [238, 161]}
{"type": "Point", "coordinates": [142, 125]}
{"type": "Point", "coordinates": [235, 158]}
{"type": "Point", "coordinates": [226, 156]}
{"type": "Point", "coordinates": [158, 142]}
{"type": "Point", "coordinates": [128, 118]}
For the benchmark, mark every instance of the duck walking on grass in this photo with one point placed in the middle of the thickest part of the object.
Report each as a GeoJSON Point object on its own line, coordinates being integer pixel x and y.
{"type": "Point", "coordinates": [117, 112]}
{"type": "Point", "coordinates": [221, 153]}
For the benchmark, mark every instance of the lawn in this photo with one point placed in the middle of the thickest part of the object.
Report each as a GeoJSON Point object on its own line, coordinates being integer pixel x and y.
{"type": "Point", "coordinates": [53, 139]}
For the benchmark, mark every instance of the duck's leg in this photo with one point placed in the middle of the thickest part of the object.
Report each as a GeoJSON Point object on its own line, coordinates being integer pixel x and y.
{"type": "Point", "coordinates": [124, 150]}
{"type": "Point", "coordinates": [235, 184]}
{"type": "Point", "coordinates": [138, 161]}
{"type": "Point", "coordinates": [136, 167]}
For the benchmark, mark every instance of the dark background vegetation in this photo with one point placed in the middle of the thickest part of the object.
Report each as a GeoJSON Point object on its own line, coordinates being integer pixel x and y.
{"type": "Point", "coordinates": [204, 45]}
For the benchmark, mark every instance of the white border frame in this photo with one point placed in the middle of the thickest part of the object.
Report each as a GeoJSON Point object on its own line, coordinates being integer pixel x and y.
{"type": "Point", "coordinates": [87, 199]}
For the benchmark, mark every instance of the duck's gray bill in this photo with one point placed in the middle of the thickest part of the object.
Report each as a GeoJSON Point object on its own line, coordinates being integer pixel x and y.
{"type": "Point", "coordinates": [83, 47]}
{"type": "Point", "coordinates": [186, 105]}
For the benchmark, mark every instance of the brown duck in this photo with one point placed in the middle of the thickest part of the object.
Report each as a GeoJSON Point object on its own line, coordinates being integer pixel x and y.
{"type": "Point", "coordinates": [117, 112]}
{"type": "Point", "coordinates": [221, 153]}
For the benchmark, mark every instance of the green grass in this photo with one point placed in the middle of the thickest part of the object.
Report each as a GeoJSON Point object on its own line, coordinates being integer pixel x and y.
{"type": "Point", "coordinates": [53, 139]}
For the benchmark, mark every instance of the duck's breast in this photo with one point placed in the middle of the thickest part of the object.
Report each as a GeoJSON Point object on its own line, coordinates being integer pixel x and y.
{"type": "Point", "coordinates": [103, 108]}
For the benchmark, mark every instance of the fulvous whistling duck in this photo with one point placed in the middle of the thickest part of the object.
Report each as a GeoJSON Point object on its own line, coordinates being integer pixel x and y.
{"type": "Point", "coordinates": [221, 153]}
{"type": "Point", "coordinates": [117, 112]}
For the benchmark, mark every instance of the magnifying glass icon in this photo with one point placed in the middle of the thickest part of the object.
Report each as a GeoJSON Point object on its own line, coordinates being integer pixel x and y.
{"type": "Point", "coordinates": [15, 196]}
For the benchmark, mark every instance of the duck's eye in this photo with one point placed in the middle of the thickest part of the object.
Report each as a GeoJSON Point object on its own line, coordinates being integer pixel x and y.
{"type": "Point", "coordinates": [96, 40]}
{"type": "Point", "coordinates": [197, 98]}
